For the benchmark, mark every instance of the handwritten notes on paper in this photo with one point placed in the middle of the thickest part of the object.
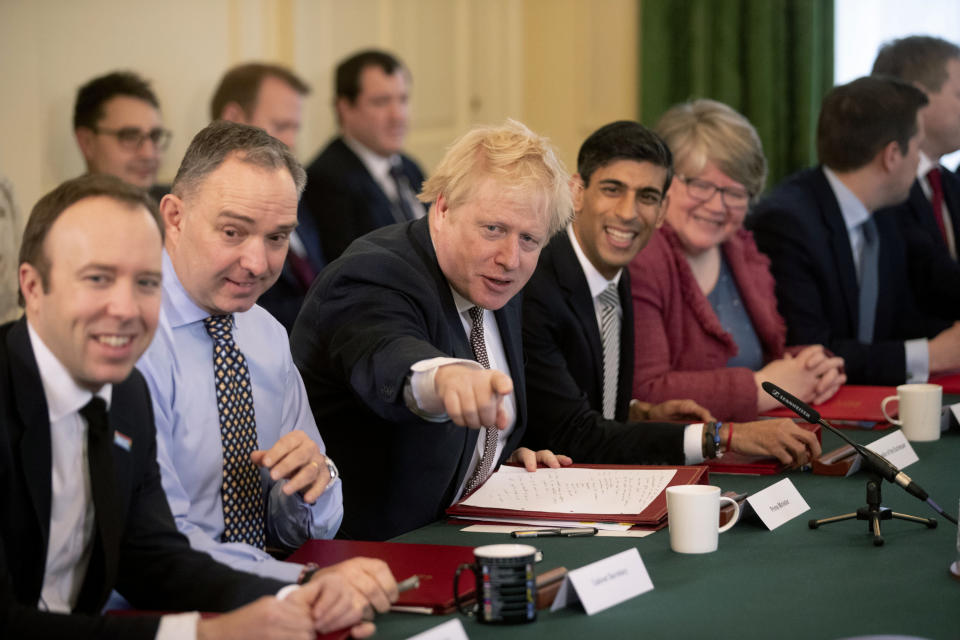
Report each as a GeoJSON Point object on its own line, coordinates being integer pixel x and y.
{"type": "Point", "coordinates": [580, 490]}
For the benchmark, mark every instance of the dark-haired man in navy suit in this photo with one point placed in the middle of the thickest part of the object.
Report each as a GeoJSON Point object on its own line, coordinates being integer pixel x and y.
{"type": "Point", "coordinates": [842, 272]}
{"type": "Point", "coordinates": [362, 181]}
{"type": "Point", "coordinates": [578, 324]}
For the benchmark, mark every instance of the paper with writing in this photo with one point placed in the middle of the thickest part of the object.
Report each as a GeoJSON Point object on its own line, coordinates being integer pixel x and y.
{"type": "Point", "coordinates": [580, 490]}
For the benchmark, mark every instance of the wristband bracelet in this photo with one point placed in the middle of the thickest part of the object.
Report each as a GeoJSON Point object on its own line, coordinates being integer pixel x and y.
{"type": "Point", "coordinates": [307, 572]}
{"type": "Point", "coordinates": [729, 435]}
{"type": "Point", "coordinates": [716, 439]}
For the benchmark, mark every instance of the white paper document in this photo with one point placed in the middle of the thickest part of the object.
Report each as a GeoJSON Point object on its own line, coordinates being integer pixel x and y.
{"type": "Point", "coordinates": [552, 524]}
{"type": "Point", "coordinates": [508, 528]}
{"type": "Point", "coordinates": [594, 491]}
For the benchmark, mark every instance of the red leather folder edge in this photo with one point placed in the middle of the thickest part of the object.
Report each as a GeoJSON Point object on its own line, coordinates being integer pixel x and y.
{"type": "Point", "coordinates": [949, 381]}
{"type": "Point", "coordinates": [438, 561]}
{"type": "Point", "coordinates": [851, 402]}
{"type": "Point", "coordinates": [653, 515]}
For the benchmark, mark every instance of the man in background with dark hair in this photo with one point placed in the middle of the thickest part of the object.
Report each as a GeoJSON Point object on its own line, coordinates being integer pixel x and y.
{"type": "Point", "coordinates": [933, 66]}
{"type": "Point", "coordinates": [842, 272]}
{"type": "Point", "coordinates": [578, 324]}
{"type": "Point", "coordinates": [362, 181]}
{"type": "Point", "coordinates": [117, 123]}
{"type": "Point", "coordinates": [271, 97]}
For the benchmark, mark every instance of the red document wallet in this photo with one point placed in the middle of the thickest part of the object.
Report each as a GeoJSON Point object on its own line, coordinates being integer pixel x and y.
{"type": "Point", "coordinates": [434, 563]}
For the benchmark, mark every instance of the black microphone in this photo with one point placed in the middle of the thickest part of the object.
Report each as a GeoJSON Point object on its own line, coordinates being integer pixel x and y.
{"type": "Point", "coordinates": [878, 463]}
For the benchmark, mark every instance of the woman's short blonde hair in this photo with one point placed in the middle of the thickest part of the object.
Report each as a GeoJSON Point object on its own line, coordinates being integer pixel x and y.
{"type": "Point", "coordinates": [704, 130]}
{"type": "Point", "coordinates": [522, 163]}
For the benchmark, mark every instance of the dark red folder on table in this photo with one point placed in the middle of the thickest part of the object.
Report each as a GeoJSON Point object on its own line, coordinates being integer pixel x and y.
{"type": "Point", "coordinates": [752, 465]}
{"type": "Point", "coordinates": [851, 402]}
{"type": "Point", "coordinates": [654, 515]}
{"type": "Point", "coordinates": [437, 561]}
{"type": "Point", "coordinates": [949, 381]}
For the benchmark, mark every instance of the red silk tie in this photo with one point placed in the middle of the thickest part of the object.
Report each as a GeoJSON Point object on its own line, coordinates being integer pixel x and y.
{"type": "Point", "coordinates": [936, 201]}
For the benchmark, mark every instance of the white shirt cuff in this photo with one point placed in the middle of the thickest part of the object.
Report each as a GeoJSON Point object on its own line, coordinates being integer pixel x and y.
{"type": "Point", "coordinates": [286, 591]}
{"type": "Point", "coordinates": [693, 443]}
{"type": "Point", "coordinates": [423, 399]}
{"type": "Point", "coordinates": [918, 359]}
{"type": "Point", "coordinates": [178, 626]}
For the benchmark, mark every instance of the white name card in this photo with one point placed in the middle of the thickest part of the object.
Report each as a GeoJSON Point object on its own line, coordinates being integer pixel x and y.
{"type": "Point", "coordinates": [895, 448]}
{"type": "Point", "coordinates": [604, 583]}
{"type": "Point", "coordinates": [953, 409]}
{"type": "Point", "coordinates": [778, 503]}
{"type": "Point", "coordinates": [449, 630]}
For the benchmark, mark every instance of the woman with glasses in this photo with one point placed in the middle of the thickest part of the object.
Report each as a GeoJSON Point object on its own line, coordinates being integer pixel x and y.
{"type": "Point", "coordinates": [707, 326]}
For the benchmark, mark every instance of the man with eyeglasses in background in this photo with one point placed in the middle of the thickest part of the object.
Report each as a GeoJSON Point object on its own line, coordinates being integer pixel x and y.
{"type": "Point", "coordinates": [116, 119]}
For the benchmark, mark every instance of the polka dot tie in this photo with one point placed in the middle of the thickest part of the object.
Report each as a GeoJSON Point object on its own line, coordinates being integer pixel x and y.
{"type": "Point", "coordinates": [490, 431]}
{"type": "Point", "coordinates": [241, 492]}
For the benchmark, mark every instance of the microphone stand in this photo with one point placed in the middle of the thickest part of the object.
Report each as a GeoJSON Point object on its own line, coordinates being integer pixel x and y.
{"type": "Point", "coordinates": [878, 466]}
{"type": "Point", "coordinates": [873, 513]}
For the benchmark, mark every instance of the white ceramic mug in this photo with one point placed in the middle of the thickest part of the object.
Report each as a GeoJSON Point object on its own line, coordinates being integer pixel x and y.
{"type": "Point", "coordinates": [919, 411]}
{"type": "Point", "coordinates": [693, 515]}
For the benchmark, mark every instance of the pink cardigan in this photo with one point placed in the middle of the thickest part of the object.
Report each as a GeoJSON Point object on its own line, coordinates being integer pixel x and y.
{"type": "Point", "coordinates": [680, 348]}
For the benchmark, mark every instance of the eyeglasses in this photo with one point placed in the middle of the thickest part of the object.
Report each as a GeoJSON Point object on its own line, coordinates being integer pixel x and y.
{"type": "Point", "coordinates": [130, 138]}
{"type": "Point", "coordinates": [732, 197]}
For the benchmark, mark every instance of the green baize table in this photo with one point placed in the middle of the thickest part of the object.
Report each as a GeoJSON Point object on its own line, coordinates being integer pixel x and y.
{"type": "Point", "coordinates": [792, 582]}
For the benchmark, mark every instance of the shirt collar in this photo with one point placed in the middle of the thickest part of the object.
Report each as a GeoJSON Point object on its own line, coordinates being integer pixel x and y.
{"type": "Point", "coordinates": [925, 164]}
{"type": "Point", "coordinates": [377, 165]}
{"type": "Point", "coordinates": [853, 211]}
{"type": "Point", "coordinates": [178, 306]}
{"type": "Point", "coordinates": [461, 303]}
{"type": "Point", "coordinates": [64, 396]}
{"type": "Point", "coordinates": [596, 282]}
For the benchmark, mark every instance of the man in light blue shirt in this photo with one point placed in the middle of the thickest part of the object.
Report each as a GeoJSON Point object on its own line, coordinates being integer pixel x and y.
{"type": "Point", "coordinates": [242, 461]}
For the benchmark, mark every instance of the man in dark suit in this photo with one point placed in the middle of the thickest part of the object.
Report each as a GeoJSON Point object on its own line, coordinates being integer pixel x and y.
{"type": "Point", "coordinates": [82, 508]}
{"type": "Point", "coordinates": [841, 272]}
{"type": "Point", "coordinates": [362, 181]}
{"type": "Point", "coordinates": [270, 96]}
{"type": "Point", "coordinates": [933, 66]}
{"type": "Point", "coordinates": [414, 333]}
{"type": "Point", "coordinates": [578, 324]}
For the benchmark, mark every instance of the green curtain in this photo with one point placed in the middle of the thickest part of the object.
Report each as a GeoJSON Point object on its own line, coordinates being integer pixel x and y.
{"type": "Point", "coordinates": [772, 60]}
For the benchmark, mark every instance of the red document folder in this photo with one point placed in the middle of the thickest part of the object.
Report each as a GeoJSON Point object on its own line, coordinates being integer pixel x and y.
{"type": "Point", "coordinates": [437, 561]}
{"type": "Point", "coordinates": [851, 402]}
{"type": "Point", "coordinates": [655, 514]}
{"type": "Point", "coordinates": [752, 465]}
{"type": "Point", "coordinates": [949, 381]}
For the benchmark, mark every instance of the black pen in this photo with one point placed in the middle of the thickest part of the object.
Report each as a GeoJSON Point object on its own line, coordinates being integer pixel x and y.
{"type": "Point", "coordinates": [572, 532]}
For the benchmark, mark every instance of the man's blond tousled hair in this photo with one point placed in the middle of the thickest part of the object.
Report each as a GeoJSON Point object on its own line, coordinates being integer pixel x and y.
{"type": "Point", "coordinates": [520, 161]}
{"type": "Point", "coordinates": [705, 130]}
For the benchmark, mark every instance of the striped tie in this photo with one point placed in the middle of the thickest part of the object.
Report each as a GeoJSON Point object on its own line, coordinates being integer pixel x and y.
{"type": "Point", "coordinates": [490, 431]}
{"type": "Point", "coordinates": [610, 339]}
{"type": "Point", "coordinates": [241, 492]}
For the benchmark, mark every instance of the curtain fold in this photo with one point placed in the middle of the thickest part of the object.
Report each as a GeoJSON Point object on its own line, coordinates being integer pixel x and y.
{"type": "Point", "coordinates": [772, 60]}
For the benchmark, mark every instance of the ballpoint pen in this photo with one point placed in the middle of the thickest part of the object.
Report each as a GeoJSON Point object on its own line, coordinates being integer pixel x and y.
{"type": "Point", "coordinates": [572, 532]}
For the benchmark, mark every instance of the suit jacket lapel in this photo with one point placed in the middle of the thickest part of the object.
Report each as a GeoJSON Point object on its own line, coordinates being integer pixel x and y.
{"type": "Point", "coordinates": [509, 322]}
{"type": "Point", "coordinates": [35, 443]}
{"type": "Point", "coordinates": [951, 198]}
{"type": "Point", "coordinates": [382, 211]}
{"type": "Point", "coordinates": [625, 379]}
{"type": "Point", "coordinates": [840, 247]}
{"type": "Point", "coordinates": [576, 292]}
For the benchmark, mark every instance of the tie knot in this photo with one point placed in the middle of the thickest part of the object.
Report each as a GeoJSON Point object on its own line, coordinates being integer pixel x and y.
{"type": "Point", "coordinates": [95, 413]}
{"type": "Point", "coordinates": [934, 177]}
{"type": "Point", "coordinates": [476, 315]}
{"type": "Point", "coordinates": [219, 327]}
{"type": "Point", "coordinates": [610, 297]}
